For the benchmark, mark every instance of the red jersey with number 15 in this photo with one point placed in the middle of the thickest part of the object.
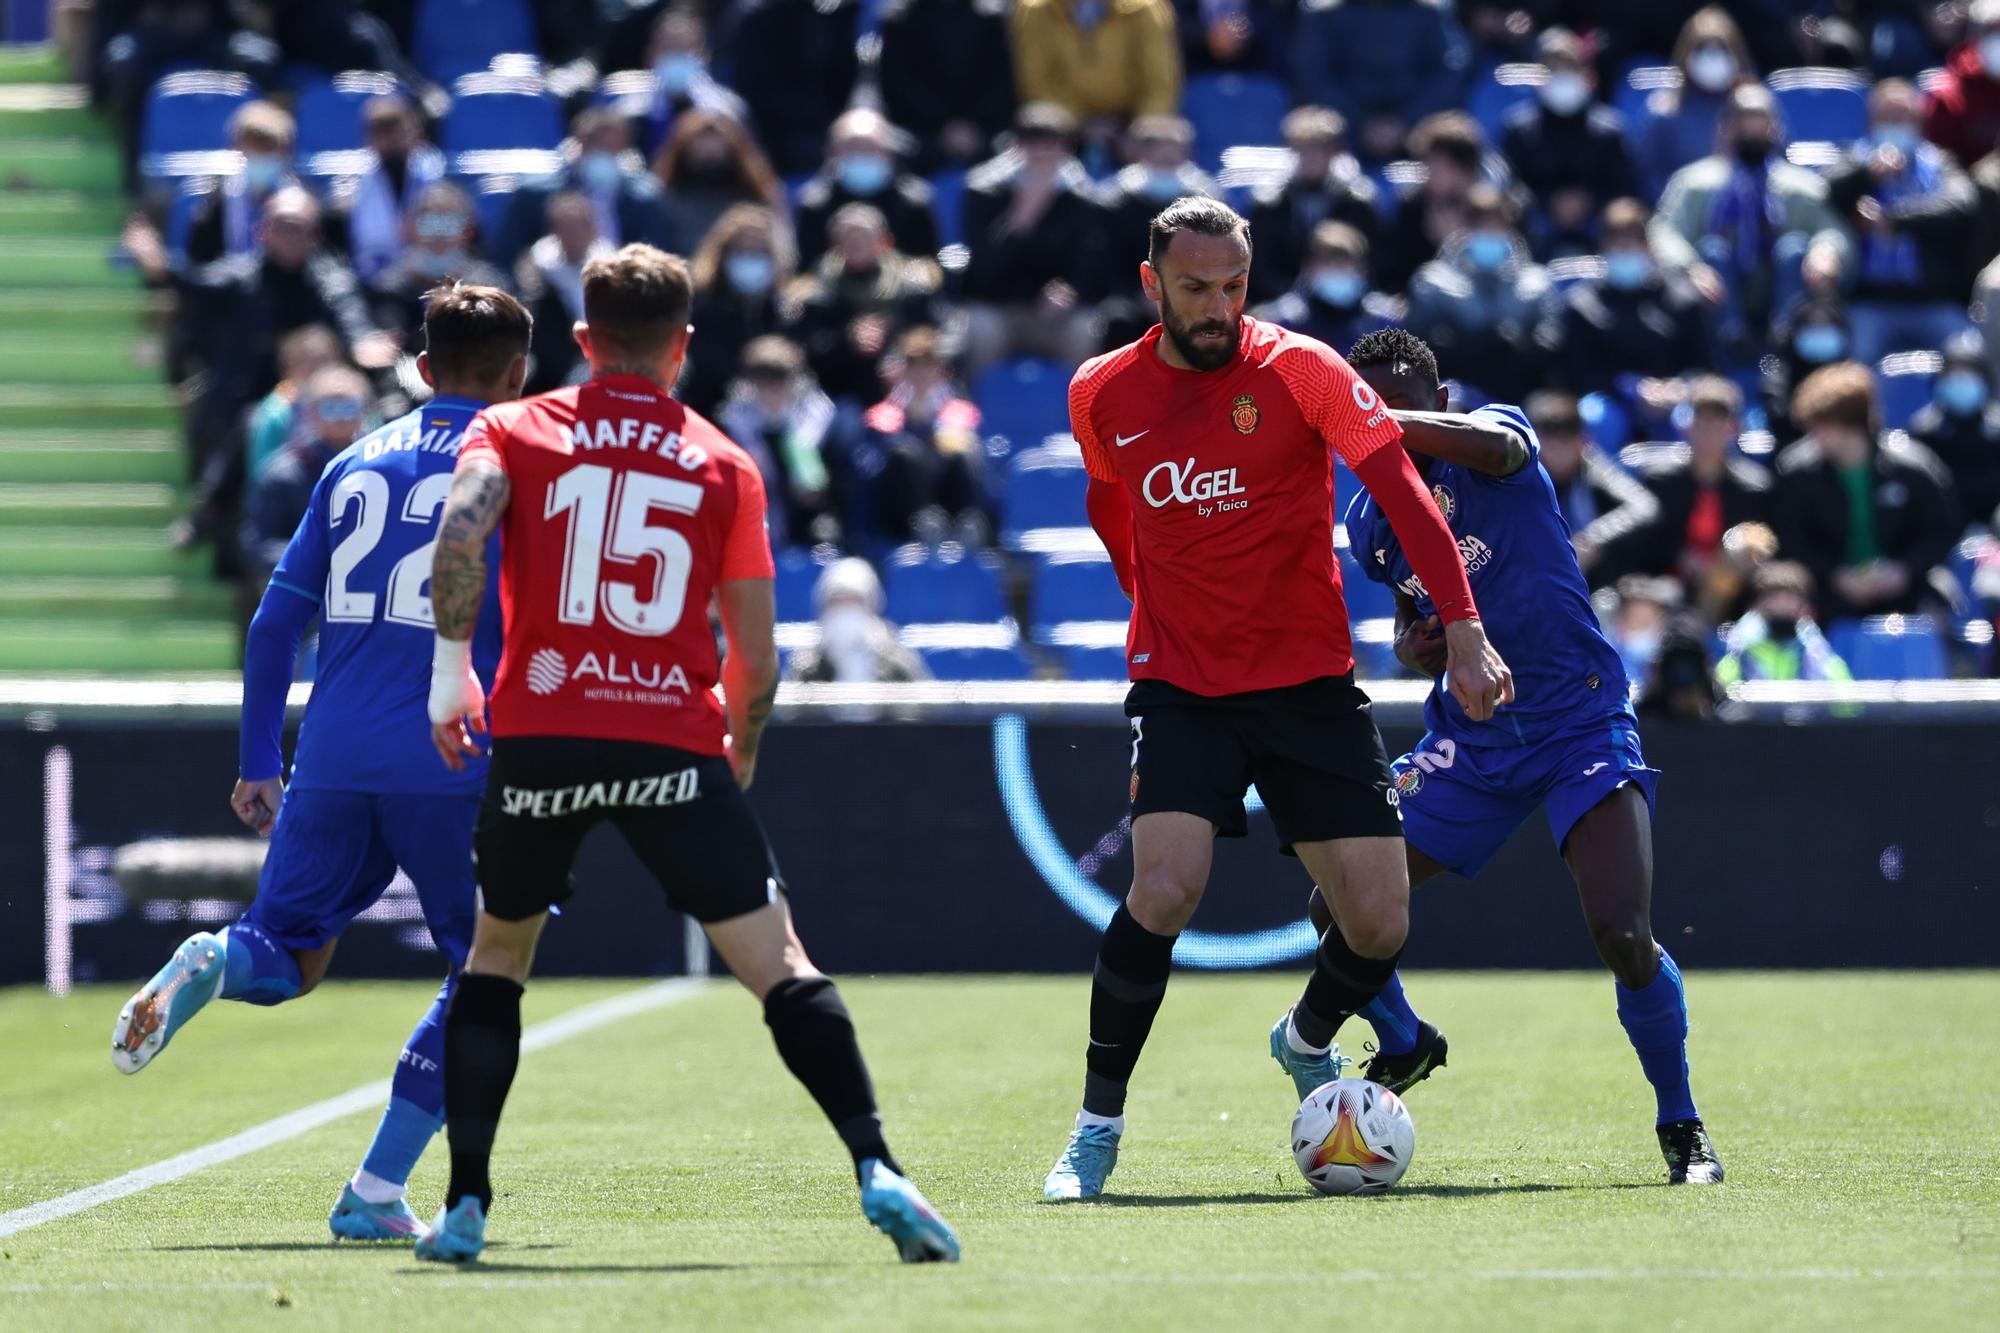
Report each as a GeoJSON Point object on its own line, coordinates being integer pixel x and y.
{"type": "Point", "coordinates": [625, 511]}
{"type": "Point", "coordinates": [1229, 473]}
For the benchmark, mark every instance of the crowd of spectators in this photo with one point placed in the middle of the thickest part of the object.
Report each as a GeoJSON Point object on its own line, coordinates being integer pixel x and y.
{"type": "Point", "coordinates": [1600, 211]}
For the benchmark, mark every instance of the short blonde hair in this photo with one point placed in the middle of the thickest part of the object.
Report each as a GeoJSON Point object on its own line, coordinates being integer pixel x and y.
{"type": "Point", "coordinates": [1842, 394]}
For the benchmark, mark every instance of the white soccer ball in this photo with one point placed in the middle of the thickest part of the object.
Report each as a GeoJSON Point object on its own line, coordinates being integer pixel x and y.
{"type": "Point", "coordinates": [1353, 1137]}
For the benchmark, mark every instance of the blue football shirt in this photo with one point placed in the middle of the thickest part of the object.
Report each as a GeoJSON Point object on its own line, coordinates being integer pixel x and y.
{"type": "Point", "coordinates": [363, 553]}
{"type": "Point", "coordinates": [1532, 597]}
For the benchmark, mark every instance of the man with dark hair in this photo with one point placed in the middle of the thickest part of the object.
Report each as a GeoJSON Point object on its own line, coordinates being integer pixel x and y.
{"type": "Point", "coordinates": [1325, 185]}
{"type": "Point", "coordinates": [1209, 444]}
{"type": "Point", "coordinates": [1602, 502]}
{"type": "Point", "coordinates": [1702, 489]}
{"type": "Point", "coordinates": [624, 514]}
{"type": "Point", "coordinates": [367, 793]}
{"type": "Point", "coordinates": [1569, 743]}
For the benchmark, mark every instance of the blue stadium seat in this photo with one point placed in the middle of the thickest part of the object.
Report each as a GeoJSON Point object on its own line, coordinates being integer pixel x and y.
{"type": "Point", "coordinates": [923, 585]}
{"type": "Point", "coordinates": [1075, 585]}
{"type": "Point", "coordinates": [977, 663]}
{"type": "Point", "coordinates": [1366, 599]}
{"type": "Point", "coordinates": [1231, 109]}
{"type": "Point", "coordinates": [1633, 92]}
{"type": "Point", "coordinates": [798, 571]}
{"type": "Point", "coordinates": [1821, 104]}
{"type": "Point", "coordinates": [1375, 648]}
{"type": "Point", "coordinates": [948, 206]}
{"type": "Point", "coordinates": [1891, 648]}
{"type": "Point", "coordinates": [1046, 492]}
{"type": "Point", "coordinates": [329, 110]}
{"type": "Point", "coordinates": [1094, 661]}
{"type": "Point", "coordinates": [497, 111]}
{"type": "Point", "coordinates": [1501, 91]}
{"type": "Point", "coordinates": [1609, 424]}
{"type": "Point", "coordinates": [187, 117]}
{"type": "Point", "coordinates": [450, 37]}
{"type": "Point", "coordinates": [1906, 379]}
{"type": "Point", "coordinates": [1024, 399]}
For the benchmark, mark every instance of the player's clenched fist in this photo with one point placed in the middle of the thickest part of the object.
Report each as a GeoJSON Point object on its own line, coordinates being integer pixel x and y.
{"type": "Point", "coordinates": [458, 703]}
{"type": "Point", "coordinates": [1479, 680]}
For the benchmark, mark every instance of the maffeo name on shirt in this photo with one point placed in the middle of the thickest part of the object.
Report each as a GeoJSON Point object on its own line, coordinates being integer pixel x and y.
{"type": "Point", "coordinates": [633, 794]}
{"type": "Point", "coordinates": [647, 437]}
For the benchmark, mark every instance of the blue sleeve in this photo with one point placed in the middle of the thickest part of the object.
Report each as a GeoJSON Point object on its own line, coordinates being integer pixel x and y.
{"type": "Point", "coordinates": [270, 650]}
{"type": "Point", "coordinates": [1515, 419]}
{"type": "Point", "coordinates": [1362, 539]}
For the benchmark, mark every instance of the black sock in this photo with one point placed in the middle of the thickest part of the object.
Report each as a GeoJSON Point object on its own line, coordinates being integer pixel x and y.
{"type": "Point", "coordinates": [815, 1038]}
{"type": "Point", "coordinates": [1342, 982]}
{"type": "Point", "coordinates": [482, 1048]}
{"type": "Point", "coordinates": [1125, 993]}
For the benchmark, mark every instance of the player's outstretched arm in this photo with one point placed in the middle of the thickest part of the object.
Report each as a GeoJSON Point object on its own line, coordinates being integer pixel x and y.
{"type": "Point", "coordinates": [478, 497]}
{"type": "Point", "coordinates": [750, 674]}
{"type": "Point", "coordinates": [1479, 443]}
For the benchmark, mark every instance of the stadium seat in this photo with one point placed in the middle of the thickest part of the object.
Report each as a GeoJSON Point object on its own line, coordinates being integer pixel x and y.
{"type": "Point", "coordinates": [977, 663]}
{"type": "Point", "coordinates": [187, 123]}
{"type": "Point", "coordinates": [1024, 399]}
{"type": "Point", "coordinates": [1824, 104]}
{"type": "Point", "coordinates": [1890, 648]}
{"type": "Point", "coordinates": [1375, 648]}
{"type": "Point", "coordinates": [1906, 379]}
{"type": "Point", "coordinates": [498, 111]}
{"type": "Point", "coordinates": [1094, 661]}
{"type": "Point", "coordinates": [1075, 585]}
{"type": "Point", "coordinates": [1501, 91]}
{"type": "Point", "coordinates": [948, 206]}
{"type": "Point", "coordinates": [329, 111]}
{"type": "Point", "coordinates": [450, 37]}
{"type": "Point", "coordinates": [1046, 493]}
{"type": "Point", "coordinates": [1609, 424]}
{"type": "Point", "coordinates": [798, 571]}
{"type": "Point", "coordinates": [629, 92]}
{"type": "Point", "coordinates": [1231, 109]}
{"type": "Point", "coordinates": [1635, 91]}
{"type": "Point", "coordinates": [925, 585]}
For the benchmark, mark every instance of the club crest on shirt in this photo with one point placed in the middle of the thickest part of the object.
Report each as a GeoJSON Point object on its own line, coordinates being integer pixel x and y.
{"type": "Point", "coordinates": [1409, 782]}
{"type": "Point", "coordinates": [1244, 414]}
{"type": "Point", "coordinates": [1446, 502]}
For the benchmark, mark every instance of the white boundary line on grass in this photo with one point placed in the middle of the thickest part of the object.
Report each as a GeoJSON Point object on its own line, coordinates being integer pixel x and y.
{"type": "Point", "coordinates": [550, 1032]}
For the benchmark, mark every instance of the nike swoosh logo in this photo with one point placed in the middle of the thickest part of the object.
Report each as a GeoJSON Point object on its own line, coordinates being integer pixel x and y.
{"type": "Point", "coordinates": [1123, 440]}
{"type": "Point", "coordinates": [1104, 1045]}
{"type": "Point", "coordinates": [1592, 770]}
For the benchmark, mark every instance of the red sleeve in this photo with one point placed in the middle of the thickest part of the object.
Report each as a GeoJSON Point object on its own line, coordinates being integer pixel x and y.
{"type": "Point", "coordinates": [1097, 459]}
{"type": "Point", "coordinates": [746, 550]}
{"type": "Point", "coordinates": [1427, 541]}
{"type": "Point", "coordinates": [484, 438]}
{"type": "Point", "coordinates": [1336, 402]}
{"type": "Point", "coordinates": [1111, 515]}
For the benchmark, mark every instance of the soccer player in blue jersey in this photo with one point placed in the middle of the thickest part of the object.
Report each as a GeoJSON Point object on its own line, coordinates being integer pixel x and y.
{"type": "Point", "coordinates": [369, 792]}
{"type": "Point", "coordinates": [1569, 742]}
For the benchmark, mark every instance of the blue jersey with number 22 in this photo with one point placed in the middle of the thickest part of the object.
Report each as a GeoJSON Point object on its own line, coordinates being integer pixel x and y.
{"type": "Point", "coordinates": [363, 552]}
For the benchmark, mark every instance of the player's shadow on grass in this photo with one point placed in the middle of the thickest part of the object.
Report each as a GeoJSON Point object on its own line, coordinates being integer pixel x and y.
{"type": "Point", "coordinates": [1438, 1191]}
{"type": "Point", "coordinates": [301, 1246]}
{"type": "Point", "coordinates": [1196, 1200]}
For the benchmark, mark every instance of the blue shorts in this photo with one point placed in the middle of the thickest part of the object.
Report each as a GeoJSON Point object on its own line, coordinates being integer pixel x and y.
{"type": "Point", "coordinates": [334, 852]}
{"type": "Point", "coordinates": [1460, 802]}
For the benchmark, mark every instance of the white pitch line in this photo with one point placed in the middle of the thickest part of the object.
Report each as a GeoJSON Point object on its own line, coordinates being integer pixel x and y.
{"type": "Point", "coordinates": [550, 1032]}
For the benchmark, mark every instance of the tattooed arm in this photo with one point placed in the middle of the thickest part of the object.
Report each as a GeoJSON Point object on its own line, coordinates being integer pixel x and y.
{"type": "Point", "coordinates": [750, 675]}
{"type": "Point", "coordinates": [472, 510]}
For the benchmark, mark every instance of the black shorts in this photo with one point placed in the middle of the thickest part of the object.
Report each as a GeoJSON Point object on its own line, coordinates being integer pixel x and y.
{"type": "Point", "coordinates": [681, 813]}
{"type": "Point", "coordinates": [1312, 749]}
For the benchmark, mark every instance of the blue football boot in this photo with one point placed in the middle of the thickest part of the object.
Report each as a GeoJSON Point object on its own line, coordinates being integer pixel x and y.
{"type": "Point", "coordinates": [1086, 1163]}
{"type": "Point", "coordinates": [354, 1218]}
{"type": "Point", "coordinates": [1307, 1071]}
{"type": "Point", "coordinates": [458, 1235]}
{"type": "Point", "coordinates": [175, 994]}
{"type": "Point", "coordinates": [901, 1212]}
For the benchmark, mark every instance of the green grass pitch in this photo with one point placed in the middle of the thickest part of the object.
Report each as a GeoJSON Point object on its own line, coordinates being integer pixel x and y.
{"type": "Point", "coordinates": [667, 1173]}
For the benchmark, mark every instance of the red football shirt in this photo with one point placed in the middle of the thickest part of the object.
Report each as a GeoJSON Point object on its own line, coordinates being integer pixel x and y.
{"type": "Point", "coordinates": [1229, 474]}
{"type": "Point", "coordinates": [625, 511]}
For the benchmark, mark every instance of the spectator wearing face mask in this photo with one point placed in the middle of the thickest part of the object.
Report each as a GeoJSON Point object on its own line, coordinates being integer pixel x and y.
{"type": "Point", "coordinates": [1635, 323]}
{"type": "Point", "coordinates": [1869, 512]}
{"type": "Point", "coordinates": [1912, 212]}
{"type": "Point", "coordinates": [1681, 686]}
{"type": "Point", "coordinates": [1383, 64]}
{"type": "Point", "coordinates": [861, 168]}
{"type": "Point", "coordinates": [1961, 425]}
{"type": "Point", "coordinates": [599, 164]}
{"type": "Point", "coordinates": [856, 645]}
{"type": "Point", "coordinates": [928, 437]}
{"type": "Point", "coordinates": [947, 72]}
{"type": "Point", "coordinates": [1812, 334]}
{"type": "Point", "coordinates": [225, 222]}
{"type": "Point", "coordinates": [1160, 172]}
{"type": "Point", "coordinates": [1778, 639]}
{"type": "Point", "coordinates": [1568, 150]}
{"type": "Point", "coordinates": [1331, 301]}
{"type": "Point", "coordinates": [1452, 149]}
{"type": "Point", "coordinates": [327, 419]}
{"type": "Point", "coordinates": [302, 353]}
{"type": "Point", "coordinates": [677, 54]}
{"type": "Point", "coordinates": [1702, 489]}
{"type": "Point", "coordinates": [861, 295]}
{"type": "Point", "coordinates": [778, 413]}
{"type": "Point", "coordinates": [1962, 114]}
{"type": "Point", "coordinates": [1680, 123]}
{"type": "Point", "coordinates": [743, 264]}
{"type": "Point", "coordinates": [1325, 184]}
{"type": "Point", "coordinates": [442, 236]}
{"type": "Point", "coordinates": [709, 164]}
{"type": "Point", "coordinates": [1484, 303]}
{"type": "Point", "coordinates": [377, 206]}
{"type": "Point", "coordinates": [549, 278]}
{"type": "Point", "coordinates": [1745, 215]}
{"type": "Point", "coordinates": [1601, 502]}
{"type": "Point", "coordinates": [1646, 606]}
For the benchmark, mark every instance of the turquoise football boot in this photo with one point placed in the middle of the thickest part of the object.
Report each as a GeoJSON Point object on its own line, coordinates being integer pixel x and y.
{"type": "Point", "coordinates": [354, 1218]}
{"type": "Point", "coordinates": [175, 994]}
{"type": "Point", "coordinates": [458, 1235]}
{"type": "Point", "coordinates": [1307, 1071]}
{"type": "Point", "coordinates": [1086, 1163]}
{"type": "Point", "coordinates": [901, 1212]}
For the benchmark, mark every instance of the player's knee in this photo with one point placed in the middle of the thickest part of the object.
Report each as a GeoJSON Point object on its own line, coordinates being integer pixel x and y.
{"type": "Point", "coordinates": [1625, 943]}
{"type": "Point", "coordinates": [1163, 900]}
{"type": "Point", "coordinates": [1376, 930]}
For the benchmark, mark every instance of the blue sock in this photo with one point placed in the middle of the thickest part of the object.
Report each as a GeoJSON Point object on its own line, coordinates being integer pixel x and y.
{"type": "Point", "coordinates": [1394, 1021]}
{"type": "Point", "coordinates": [416, 1099]}
{"type": "Point", "coordinates": [256, 969]}
{"type": "Point", "coordinates": [1656, 1019]}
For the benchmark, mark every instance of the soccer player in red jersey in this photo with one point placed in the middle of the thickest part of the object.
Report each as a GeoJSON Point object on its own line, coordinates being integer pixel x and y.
{"type": "Point", "coordinates": [621, 513]}
{"type": "Point", "coordinates": [1209, 445]}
